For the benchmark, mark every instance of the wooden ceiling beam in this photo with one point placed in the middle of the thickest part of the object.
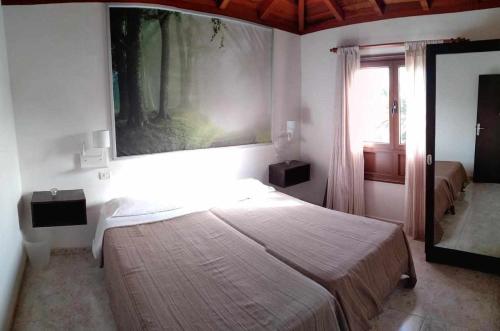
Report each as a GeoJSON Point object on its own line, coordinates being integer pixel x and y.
{"type": "Point", "coordinates": [301, 13]}
{"type": "Point", "coordinates": [233, 10]}
{"type": "Point", "coordinates": [426, 4]}
{"type": "Point", "coordinates": [265, 8]}
{"type": "Point", "coordinates": [286, 19]}
{"type": "Point", "coordinates": [402, 12]}
{"type": "Point", "coordinates": [335, 9]}
{"type": "Point", "coordinates": [378, 6]}
{"type": "Point", "coordinates": [223, 4]}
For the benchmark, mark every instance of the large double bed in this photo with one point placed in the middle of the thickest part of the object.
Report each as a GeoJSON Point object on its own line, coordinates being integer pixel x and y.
{"type": "Point", "coordinates": [196, 273]}
{"type": "Point", "coordinates": [264, 262]}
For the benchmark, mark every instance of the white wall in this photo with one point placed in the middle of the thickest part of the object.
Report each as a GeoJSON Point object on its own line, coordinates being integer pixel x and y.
{"type": "Point", "coordinates": [59, 76]}
{"type": "Point", "coordinates": [457, 82]}
{"type": "Point", "coordinates": [11, 250]}
{"type": "Point", "coordinates": [59, 71]}
{"type": "Point", "coordinates": [318, 87]}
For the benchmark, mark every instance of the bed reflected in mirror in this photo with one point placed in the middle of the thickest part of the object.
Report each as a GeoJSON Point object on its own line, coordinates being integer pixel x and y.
{"type": "Point", "coordinates": [467, 153]}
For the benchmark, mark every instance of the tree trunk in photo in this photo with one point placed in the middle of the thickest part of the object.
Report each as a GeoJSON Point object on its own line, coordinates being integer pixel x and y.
{"type": "Point", "coordinates": [188, 42]}
{"type": "Point", "coordinates": [118, 51]}
{"type": "Point", "coordinates": [136, 114]}
{"type": "Point", "coordinates": [165, 39]}
{"type": "Point", "coordinates": [149, 28]}
{"type": "Point", "coordinates": [183, 62]}
{"type": "Point", "coordinates": [123, 87]}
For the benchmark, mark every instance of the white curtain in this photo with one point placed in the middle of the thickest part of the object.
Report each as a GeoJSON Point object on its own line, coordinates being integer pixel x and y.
{"type": "Point", "coordinates": [345, 190]}
{"type": "Point", "coordinates": [415, 139]}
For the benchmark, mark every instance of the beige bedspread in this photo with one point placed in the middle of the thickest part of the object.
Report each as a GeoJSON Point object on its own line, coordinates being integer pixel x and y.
{"type": "Point", "coordinates": [197, 273]}
{"type": "Point", "coordinates": [359, 260]}
{"type": "Point", "coordinates": [454, 173]}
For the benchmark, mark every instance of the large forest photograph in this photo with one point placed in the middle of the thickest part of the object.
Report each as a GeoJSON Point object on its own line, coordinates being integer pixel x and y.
{"type": "Point", "coordinates": [183, 81]}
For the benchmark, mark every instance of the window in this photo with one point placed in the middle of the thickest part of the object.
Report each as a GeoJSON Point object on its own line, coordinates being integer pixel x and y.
{"type": "Point", "coordinates": [383, 89]}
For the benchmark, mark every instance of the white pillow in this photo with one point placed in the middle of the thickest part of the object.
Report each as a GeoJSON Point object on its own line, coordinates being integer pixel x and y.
{"type": "Point", "coordinates": [205, 196]}
{"type": "Point", "coordinates": [248, 188]}
{"type": "Point", "coordinates": [232, 191]}
{"type": "Point", "coordinates": [135, 207]}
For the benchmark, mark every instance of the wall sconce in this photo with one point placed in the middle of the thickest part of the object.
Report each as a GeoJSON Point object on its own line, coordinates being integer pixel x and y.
{"type": "Point", "coordinates": [96, 157]}
{"type": "Point", "coordinates": [290, 129]}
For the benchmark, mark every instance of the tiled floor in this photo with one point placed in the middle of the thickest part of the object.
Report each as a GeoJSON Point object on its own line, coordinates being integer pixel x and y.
{"type": "Point", "coordinates": [70, 295]}
{"type": "Point", "coordinates": [476, 225]}
{"type": "Point", "coordinates": [445, 298]}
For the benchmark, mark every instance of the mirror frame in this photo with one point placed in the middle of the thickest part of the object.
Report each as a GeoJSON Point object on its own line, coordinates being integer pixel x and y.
{"type": "Point", "coordinates": [434, 253]}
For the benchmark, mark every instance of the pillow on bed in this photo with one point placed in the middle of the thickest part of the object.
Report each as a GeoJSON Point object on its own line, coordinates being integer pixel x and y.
{"type": "Point", "coordinates": [135, 207]}
{"type": "Point", "coordinates": [230, 191]}
{"type": "Point", "coordinates": [204, 197]}
{"type": "Point", "coordinates": [248, 188]}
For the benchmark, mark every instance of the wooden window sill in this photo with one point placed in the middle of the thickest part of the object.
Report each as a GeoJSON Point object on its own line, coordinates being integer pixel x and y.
{"type": "Point", "coordinates": [385, 179]}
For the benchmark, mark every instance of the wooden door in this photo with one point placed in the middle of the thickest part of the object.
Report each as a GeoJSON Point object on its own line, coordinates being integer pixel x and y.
{"type": "Point", "coordinates": [487, 155]}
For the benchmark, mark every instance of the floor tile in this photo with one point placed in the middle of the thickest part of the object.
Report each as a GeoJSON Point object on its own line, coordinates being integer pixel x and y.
{"type": "Point", "coordinates": [475, 227]}
{"type": "Point", "coordinates": [67, 295]}
{"type": "Point", "coordinates": [434, 324]}
{"type": "Point", "coordinates": [394, 320]}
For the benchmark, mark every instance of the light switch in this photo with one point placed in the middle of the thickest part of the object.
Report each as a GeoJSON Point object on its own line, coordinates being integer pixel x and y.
{"type": "Point", "coordinates": [104, 175]}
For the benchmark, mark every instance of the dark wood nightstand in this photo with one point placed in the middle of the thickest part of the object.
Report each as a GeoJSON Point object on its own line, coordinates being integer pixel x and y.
{"type": "Point", "coordinates": [287, 174]}
{"type": "Point", "coordinates": [67, 207]}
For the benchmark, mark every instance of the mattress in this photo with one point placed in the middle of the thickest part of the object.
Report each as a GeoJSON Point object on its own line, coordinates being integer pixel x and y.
{"type": "Point", "coordinates": [359, 260]}
{"type": "Point", "coordinates": [195, 272]}
{"type": "Point", "coordinates": [161, 204]}
{"type": "Point", "coordinates": [454, 174]}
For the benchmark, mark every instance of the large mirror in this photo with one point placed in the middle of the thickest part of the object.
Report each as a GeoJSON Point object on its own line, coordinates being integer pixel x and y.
{"type": "Point", "coordinates": [464, 129]}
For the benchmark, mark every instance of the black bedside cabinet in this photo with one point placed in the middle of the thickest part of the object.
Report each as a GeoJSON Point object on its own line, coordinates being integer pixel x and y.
{"type": "Point", "coordinates": [287, 174]}
{"type": "Point", "coordinates": [67, 207]}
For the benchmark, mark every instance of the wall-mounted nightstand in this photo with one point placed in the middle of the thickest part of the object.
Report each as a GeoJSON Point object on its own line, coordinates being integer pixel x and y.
{"type": "Point", "coordinates": [67, 207]}
{"type": "Point", "coordinates": [286, 174]}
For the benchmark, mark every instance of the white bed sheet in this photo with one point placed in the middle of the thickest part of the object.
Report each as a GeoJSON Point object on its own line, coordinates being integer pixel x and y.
{"type": "Point", "coordinates": [138, 214]}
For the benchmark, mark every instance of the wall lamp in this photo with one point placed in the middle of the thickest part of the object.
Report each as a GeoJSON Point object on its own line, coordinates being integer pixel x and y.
{"type": "Point", "coordinates": [96, 156]}
{"type": "Point", "coordinates": [290, 129]}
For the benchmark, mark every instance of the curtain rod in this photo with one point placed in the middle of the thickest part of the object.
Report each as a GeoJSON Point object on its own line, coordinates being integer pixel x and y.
{"type": "Point", "coordinates": [401, 43]}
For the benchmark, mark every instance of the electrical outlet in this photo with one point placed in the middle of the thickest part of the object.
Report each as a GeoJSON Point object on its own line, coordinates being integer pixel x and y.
{"type": "Point", "coordinates": [104, 175]}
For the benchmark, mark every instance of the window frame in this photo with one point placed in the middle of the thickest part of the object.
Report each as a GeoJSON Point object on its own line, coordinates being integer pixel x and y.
{"type": "Point", "coordinates": [386, 162]}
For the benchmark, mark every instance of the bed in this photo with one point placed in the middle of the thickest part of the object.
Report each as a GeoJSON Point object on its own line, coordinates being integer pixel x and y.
{"type": "Point", "coordinates": [334, 269]}
{"type": "Point", "coordinates": [359, 260]}
{"type": "Point", "coordinates": [195, 272]}
{"type": "Point", "coordinates": [454, 174]}
{"type": "Point", "coordinates": [450, 180]}
{"type": "Point", "coordinates": [443, 203]}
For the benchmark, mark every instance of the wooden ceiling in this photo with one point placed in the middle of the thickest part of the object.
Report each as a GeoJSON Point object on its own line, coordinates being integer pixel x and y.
{"type": "Point", "coordinates": [306, 16]}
